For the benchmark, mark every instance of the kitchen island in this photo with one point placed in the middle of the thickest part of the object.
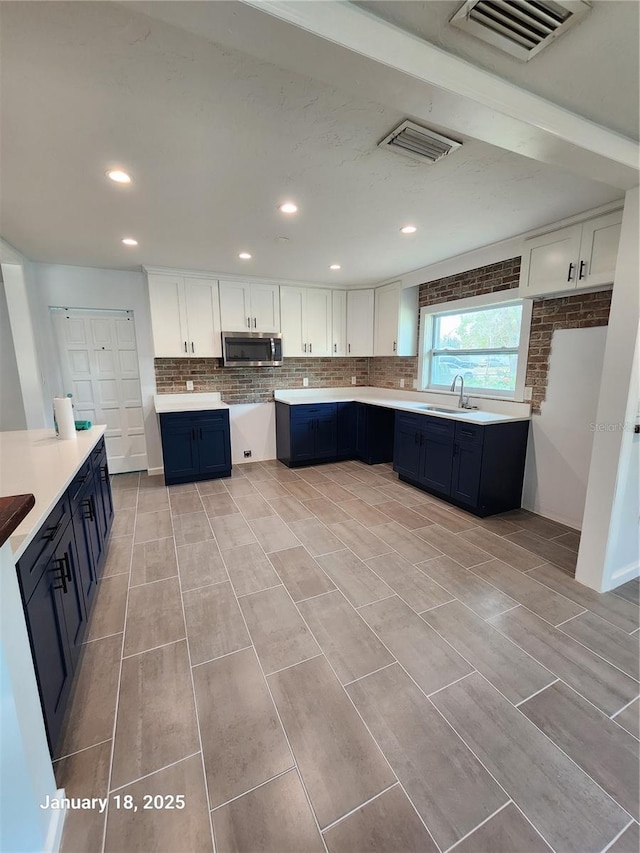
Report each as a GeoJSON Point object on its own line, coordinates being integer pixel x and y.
{"type": "Point", "coordinates": [58, 549]}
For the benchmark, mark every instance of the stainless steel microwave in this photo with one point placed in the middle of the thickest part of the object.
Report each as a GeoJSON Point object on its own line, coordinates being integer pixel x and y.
{"type": "Point", "coordinates": [252, 349]}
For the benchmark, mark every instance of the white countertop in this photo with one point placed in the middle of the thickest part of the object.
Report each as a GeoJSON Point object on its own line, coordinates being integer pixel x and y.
{"type": "Point", "coordinates": [189, 402]}
{"type": "Point", "coordinates": [37, 462]}
{"type": "Point", "coordinates": [406, 401]}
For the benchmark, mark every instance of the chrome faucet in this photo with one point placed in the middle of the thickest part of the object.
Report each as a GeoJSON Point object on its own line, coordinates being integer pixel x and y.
{"type": "Point", "coordinates": [463, 403]}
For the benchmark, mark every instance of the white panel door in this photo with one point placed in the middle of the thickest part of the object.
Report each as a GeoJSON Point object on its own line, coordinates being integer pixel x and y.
{"type": "Point", "coordinates": [387, 309]}
{"type": "Point", "coordinates": [265, 308]}
{"type": "Point", "coordinates": [291, 314]}
{"type": "Point", "coordinates": [203, 318]}
{"type": "Point", "coordinates": [317, 316]}
{"type": "Point", "coordinates": [339, 322]}
{"type": "Point", "coordinates": [235, 306]}
{"type": "Point", "coordinates": [99, 367]}
{"type": "Point", "coordinates": [168, 316]}
{"type": "Point", "coordinates": [360, 322]}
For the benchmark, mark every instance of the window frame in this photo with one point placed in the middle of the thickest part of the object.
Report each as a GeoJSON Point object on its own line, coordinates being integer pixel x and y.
{"type": "Point", "coordinates": [500, 299]}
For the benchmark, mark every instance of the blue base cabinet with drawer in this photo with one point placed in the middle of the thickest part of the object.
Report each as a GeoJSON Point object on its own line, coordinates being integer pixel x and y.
{"type": "Point", "coordinates": [58, 576]}
{"type": "Point", "coordinates": [195, 445]}
{"type": "Point", "coordinates": [328, 432]}
{"type": "Point", "coordinates": [479, 468]}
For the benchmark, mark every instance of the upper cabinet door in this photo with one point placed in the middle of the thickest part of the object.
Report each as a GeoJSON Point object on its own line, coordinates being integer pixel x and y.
{"type": "Point", "coordinates": [235, 306]}
{"type": "Point", "coordinates": [203, 318]}
{"type": "Point", "coordinates": [360, 307]}
{"type": "Point", "coordinates": [387, 313]}
{"type": "Point", "coordinates": [265, 308]}
{"type": "Point", "coordinates": [317, 314]}
{"type": "Point", "coordinates": [168, 316]}
{"type": "Point", "coordinates": [339, 322]}
{"type": "Point", "coordinates": [599, 250]}
{"type": "Point", "coordinates": [550, 262]}
{"type": "Point", "coordinates": [291, 313]}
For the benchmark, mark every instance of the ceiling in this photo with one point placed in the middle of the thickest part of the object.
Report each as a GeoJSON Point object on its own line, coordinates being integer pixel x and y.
{"type": "Point", "coordinates": [581, 71]}
{"type": "Point", "coordinates": [215, 138]}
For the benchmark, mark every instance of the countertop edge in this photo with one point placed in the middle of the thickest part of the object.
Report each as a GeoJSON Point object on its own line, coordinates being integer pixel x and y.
{"type": "Point", "coordinates": [13, 510]}
{"type": "Point", "coordinates": [490, 419]}
{"type": "Point", "coordinates": [26, 539]}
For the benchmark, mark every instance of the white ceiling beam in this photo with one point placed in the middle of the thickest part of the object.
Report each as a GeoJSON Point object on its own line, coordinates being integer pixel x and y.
{"type": "Point", "coordinates": [460, 96]}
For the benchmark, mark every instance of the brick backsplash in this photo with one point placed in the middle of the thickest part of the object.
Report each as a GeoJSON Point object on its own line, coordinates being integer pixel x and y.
{"type": "Point", "coordinates": [256, 385]}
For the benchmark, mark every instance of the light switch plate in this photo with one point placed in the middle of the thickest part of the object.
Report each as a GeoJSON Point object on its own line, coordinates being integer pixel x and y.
{"type": "Point", "coordinates": [353, 380]}
{"type": "Point", "coordinates": [189, 385]}
{"type": "Point", "coordinates": [528, 393]}
{"type": "Point", "coordinates": [402, 383]}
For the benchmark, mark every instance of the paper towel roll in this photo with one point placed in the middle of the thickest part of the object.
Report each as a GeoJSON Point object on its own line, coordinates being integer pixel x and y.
{"type": "Point", "coordinates": [64, 417]}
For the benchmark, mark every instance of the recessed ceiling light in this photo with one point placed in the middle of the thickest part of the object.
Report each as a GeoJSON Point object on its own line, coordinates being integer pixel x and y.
{"type": "Point", "coordinates": [288, 207]}
{"type": "Point", "coordinates": [335, 267]}
{"type": "Point", "coordinates": [119, 176]}
{"type": "Point", "coordinates": [244, 256]}
{"type": "Point", "coordinates": [408, 229]}
{"type": "Point", "coordinates": [129, 241]}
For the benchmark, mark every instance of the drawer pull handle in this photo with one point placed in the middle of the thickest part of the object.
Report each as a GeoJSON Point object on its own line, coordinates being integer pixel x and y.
{"type": "Point", "coordinates": [104, 473]}
{"type": "Point", "coordinates": [583, 264]}
{"type": "Point", "coordinates": [467, 432]}
{"type": "Point", "coordinates": [570, 275]}
{"type": "Point", "coordinates": [89, 514]}
{"type": "Point", "coordinates": [53, 532]}
{"type": "Point", "coordinates": [62, 566]}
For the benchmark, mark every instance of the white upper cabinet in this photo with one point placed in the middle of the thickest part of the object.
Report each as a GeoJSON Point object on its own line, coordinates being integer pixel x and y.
{"type": "Point", "coordinates": [306, 321]}
{"type": "Point", "coordinates": [396, 320]}
{"type": "Point", "coordinates": [360, 310]}
{"type": "Point", "coordinates": [185, 317]}
{"type": "Point", "coordinates": [573, 258]}
{"type": "Point", "coordinates": [250, 306]}
{"type": "Point", "coordinates": [339, 322]}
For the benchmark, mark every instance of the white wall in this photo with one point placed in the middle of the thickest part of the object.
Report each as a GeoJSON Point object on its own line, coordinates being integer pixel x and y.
{"type": "Point", "coordinates": [609, 548]}
{"type": "Point", "coordinates": [561, 436]}
{"type": "Point", "coordinates": [11, 407]}
{"type": "Point", "coordinates": [253, 427]}
{"type": "Point", "coordinates": [86, 287]}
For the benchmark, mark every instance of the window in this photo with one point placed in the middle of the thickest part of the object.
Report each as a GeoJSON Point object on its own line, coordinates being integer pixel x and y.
{"type": "Point", "coordinates": [484, 343]}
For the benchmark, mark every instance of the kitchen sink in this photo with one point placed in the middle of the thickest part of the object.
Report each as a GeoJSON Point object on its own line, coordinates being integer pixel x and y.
{"type": "Point", "coordinates": [429, 408]}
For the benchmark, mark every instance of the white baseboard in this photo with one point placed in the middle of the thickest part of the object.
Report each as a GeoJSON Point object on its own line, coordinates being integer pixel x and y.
{"type": "Point", "coordinates": [56, 825]}
{"type": "Point", "coordinates": [568, 522]}
{"type": "Point", "coordinates": [155, 472]}
{"type": "Point", "coordinates": [622, 576]}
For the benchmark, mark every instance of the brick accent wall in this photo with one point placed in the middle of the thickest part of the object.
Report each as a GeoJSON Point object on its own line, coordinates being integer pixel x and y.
{"type": "Point", "coordinates": [566, 312]}
{"type": "Point", "coordinates": [256, 384]}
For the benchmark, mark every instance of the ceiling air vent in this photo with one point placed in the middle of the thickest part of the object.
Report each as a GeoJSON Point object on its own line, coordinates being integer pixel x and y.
{"type": "Point", "coordinates": [520, 28]}
{"type": "Point", "coordinates": [419, 143]}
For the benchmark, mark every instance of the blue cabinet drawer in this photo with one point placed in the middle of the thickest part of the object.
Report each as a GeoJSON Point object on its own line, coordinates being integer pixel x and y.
{"type": "Point", "coordinates": [438, 426]}
{"type": "Point", "coordinates": [32, 563]}
{"type": "Point", "coordinates": [469, 433]}
{"type": "Point", "coordinates": [313, 410]}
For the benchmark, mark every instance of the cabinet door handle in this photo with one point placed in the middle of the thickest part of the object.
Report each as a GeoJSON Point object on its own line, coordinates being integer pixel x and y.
{"type": "Point", "coordinates": [305, 347]}
{"type": "Point", "coordinates": [583, 264]}
{"type": "Point", "coordinates": [394, 346]}
{"type": "Point", "coordinates": [349, 347]}
{"type": "Point", "coordinates": [570, 275]}
{"type": "Point", "coordinates": [89, 514]}
{"type": "Point", "coordinates": [248, 322]}
{"type": "Point", "coordinates": [193, 349]}
{"type": "Point", "coordinates": [335, 347]}
{"type": "Point", "coordinates": [61, 565]}
{"type": "Point", "coordinates": [185, 346]}
{"type": "Point", "coordinates": [104, 473]}
{"type": "Point", "coordinates": [255, 323]}
{"type": "Point", "coordinates": [310, 347]}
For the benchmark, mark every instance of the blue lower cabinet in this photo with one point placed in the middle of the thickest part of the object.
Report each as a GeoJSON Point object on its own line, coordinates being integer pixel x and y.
{"type": "Point", "coordinates": [326, 434]}
{"type": "Point", "coordinates": [195, 446]}
{"type": "Point", "coordinates": [347, 424]}
{"type": "Point", "coordinates": [375, 434]}
{"type": "Point", "coordinates": [479, 468]}
{"type": "Point", "coordinates": [58, 576]}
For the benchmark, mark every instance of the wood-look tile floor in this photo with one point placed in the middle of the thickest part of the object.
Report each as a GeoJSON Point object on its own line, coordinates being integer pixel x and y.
{"type": "Point", "coordinates": [330, 660]}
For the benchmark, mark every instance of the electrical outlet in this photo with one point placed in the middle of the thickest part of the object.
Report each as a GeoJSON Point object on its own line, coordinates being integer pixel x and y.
{"type": "Point", "coordinates": [305, 382]}
{"type": "Point", "coordinates": [402, 383]}
{"type": "Point", "coordinates": [528, 393]}
{"type": "Point", "coordinates": [353, 380]}
{"type": "Point", "coordinates": [247, 454]}
{"type": "Point", "coordinates": [415, 384]}
{"type": "Point", "coordinates": [189, 385]}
